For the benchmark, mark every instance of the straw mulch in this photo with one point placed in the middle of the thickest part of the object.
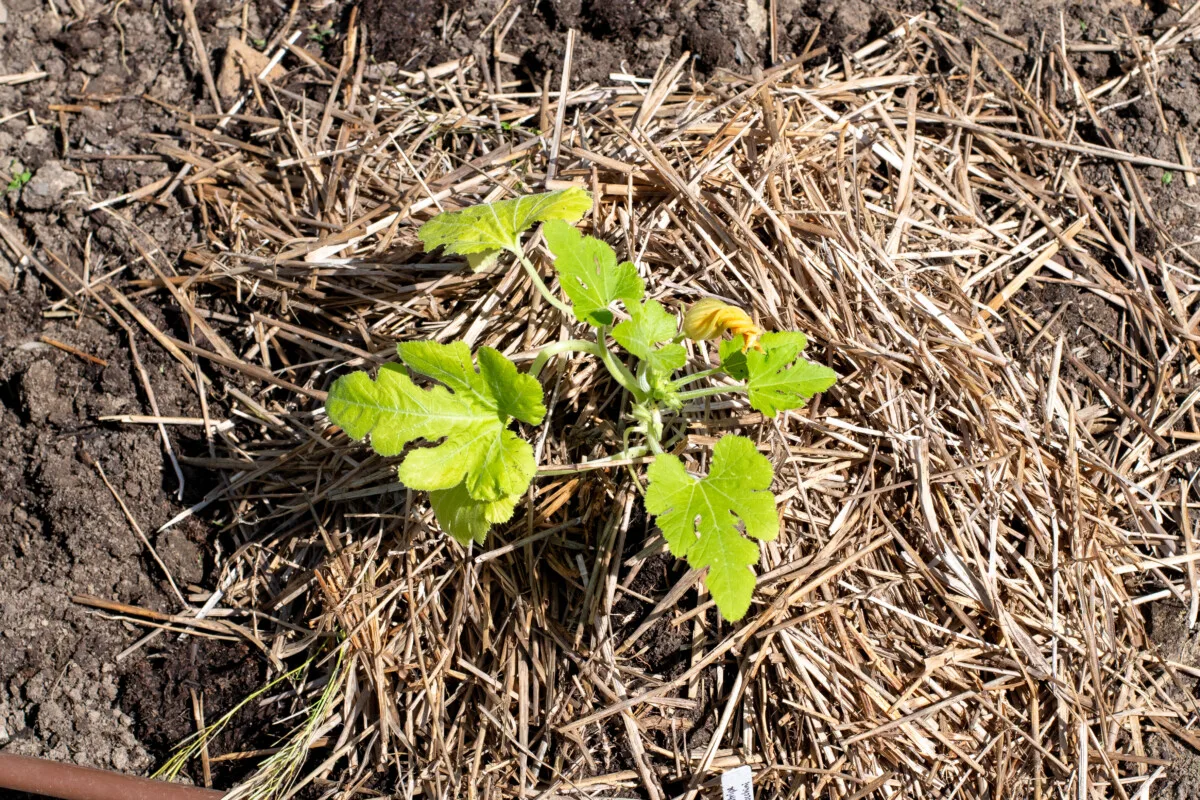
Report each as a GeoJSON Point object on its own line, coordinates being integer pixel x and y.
{"type": "Point", "coordinates": [973, 515]}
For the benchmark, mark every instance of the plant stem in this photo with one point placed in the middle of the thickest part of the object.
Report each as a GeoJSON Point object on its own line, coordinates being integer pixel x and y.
{"type": "Point", "coordinates": [696, 376]}
{"type": "Point", "coordinates": [566, 346]}
{"type": "Point", "coordinates": [643, 381]}
{"type": "Point", "coordinates": [541, 286]}
{"type": "Point", "coordinates": [649, 424]}
{"type": "Point", "coordinates": [616, 368]}
{"type": "Point", "coordinates": [708, 391]}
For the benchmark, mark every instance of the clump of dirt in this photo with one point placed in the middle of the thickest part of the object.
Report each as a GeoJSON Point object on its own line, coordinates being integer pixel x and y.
{"type": "Point", "coordinates": [410, 32]}
{"type": "Point", "coordinates": [62, 533]}
{"type": "Point", "coordinates": [157, 694]}
{"type": "Point", "coordinates": [663, 648]}
{"type": "Point", "coordinates": [616, 36]}
{"type": "Point", "coordinates": [1083, 319]}
{"type": "Point", "coordinates": [1167, 626]}
{"type": "Point", "coordinates": [844, 26]}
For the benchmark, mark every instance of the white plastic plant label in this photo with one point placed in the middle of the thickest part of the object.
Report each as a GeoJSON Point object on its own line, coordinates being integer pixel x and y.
{"type": "Point", "coordinates": [738, 784]}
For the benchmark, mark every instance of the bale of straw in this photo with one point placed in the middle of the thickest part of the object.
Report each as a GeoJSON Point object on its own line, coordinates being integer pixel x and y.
{"type": "Point", "coordinates": [973, 515]}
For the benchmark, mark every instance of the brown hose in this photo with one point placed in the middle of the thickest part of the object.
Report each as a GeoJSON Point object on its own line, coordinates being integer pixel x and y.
{"type": "Point", "coordinates": [69, 782]}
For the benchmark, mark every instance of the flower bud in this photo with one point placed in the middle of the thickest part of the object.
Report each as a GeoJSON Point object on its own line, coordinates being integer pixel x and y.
{"type": "Point", "coordinates": [710, 318]}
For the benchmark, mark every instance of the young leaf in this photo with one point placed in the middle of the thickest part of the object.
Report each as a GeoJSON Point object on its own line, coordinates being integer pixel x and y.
{"type": "Point", "coordinates": [698, 517]}
{"type": "Point", "coordinates": [481, 232]}
{"type": "Point", "coordinates": [648, 326]}
{"type": "Point", "coordinates": [478, 449]}
{"type": "Point", "coordinates": [775, 382]}
{"type": "Point", "coordinates": [733, 352]}
{"type": "Point", "coordinates": [468, 519]}
{"type": "Point", "coordinates": [590, 274]}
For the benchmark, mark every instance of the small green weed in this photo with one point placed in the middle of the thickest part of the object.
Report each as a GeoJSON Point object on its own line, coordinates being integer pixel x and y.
{"type": "Point", "coordinates": [19, 179]}
{"type": "Point", "coordinates": [321, 34]}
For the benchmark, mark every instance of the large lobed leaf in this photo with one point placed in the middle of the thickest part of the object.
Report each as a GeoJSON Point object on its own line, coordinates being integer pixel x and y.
{"type": "Point", "coordinates": [649, 326]}
{"type": "Point", "coordinates": [590, 274]}
{"type": "Point", "coordinates": [480, 464]}
{"type": "Point", "coordinates": [778, 378]}
{"type": "Point", "coordinates": [482, 231]}
{"type": "Point", "coordinates": [698, 518]}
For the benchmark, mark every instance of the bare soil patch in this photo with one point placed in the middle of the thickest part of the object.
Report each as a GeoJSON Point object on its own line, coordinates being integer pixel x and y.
{"type": "Point", "coordinates": [620, 36]}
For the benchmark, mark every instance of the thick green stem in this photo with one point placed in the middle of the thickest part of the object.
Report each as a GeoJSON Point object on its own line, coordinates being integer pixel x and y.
{"type": "Point", "coordinates": [643, 376]}
{"type": "Point", "coordinates": [618, 370]}
{"type": "Point", "coordinates": [566, 346]}
{"type": "Point", "coordinates": [708, 391]}
{"type": "Point", "coordinates": [649, 424]}
{"type": "Point", "coordinates": [542, 287]}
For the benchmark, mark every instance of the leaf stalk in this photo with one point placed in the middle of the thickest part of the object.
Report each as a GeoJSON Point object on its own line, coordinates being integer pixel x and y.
{"type": "Point", "coordinates": [541, 286]}
{"type": "Point", "coordinates": [619, 371]}
{"type": "Point", "coordinates": [695, 376]}
{"type": "Point", "coordinates": [558, 348]}
{"type": "Point", "coordinates": [708, 391]}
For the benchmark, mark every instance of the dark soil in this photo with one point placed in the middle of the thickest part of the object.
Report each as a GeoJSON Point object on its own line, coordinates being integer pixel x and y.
{"type": "Point", "coordinates": [1167, 626]}
{"type": "Point", "coordinates": [617, 36]}
{"type": "Point", "coordinates": [663, 649]}
{"type": "Point", "coordinates": [157, 695]}
{"type": "Point", "coordinates": [65, 534]}
{"type": "Point", "coordinates": [62, 692]}
{"type": "Point", "coordinates": [1087, 322]}
{"type": "Point", "coordinates": [1137, 126]}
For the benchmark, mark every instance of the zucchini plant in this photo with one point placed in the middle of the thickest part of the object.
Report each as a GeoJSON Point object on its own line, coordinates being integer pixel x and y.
{"type": "Point", "coordinates": [478, 467]}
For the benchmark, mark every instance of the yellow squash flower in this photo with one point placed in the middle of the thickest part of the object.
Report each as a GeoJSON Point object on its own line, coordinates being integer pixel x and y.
{"type": "Point", "coordinates": [710, 318]}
